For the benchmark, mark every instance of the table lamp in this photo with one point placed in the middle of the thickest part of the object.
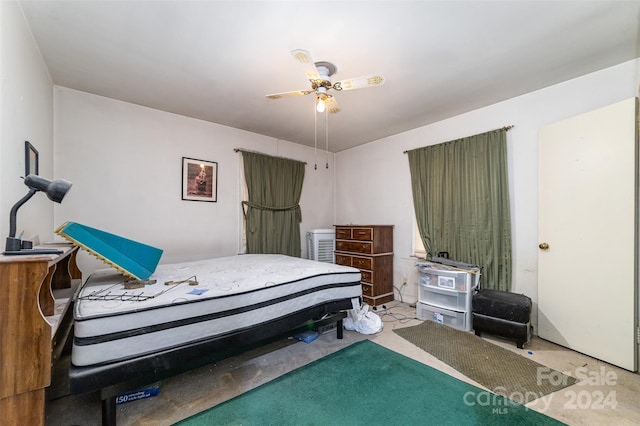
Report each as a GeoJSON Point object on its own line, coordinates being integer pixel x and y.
{"type": "Point", "coordinates": [55, 190]}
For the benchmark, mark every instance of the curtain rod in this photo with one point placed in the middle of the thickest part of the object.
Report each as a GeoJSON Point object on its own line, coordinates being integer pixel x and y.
{"type": "Point", "coordinates": [505, 128]}
{"type": "Point", "coordinates": [262, 153]}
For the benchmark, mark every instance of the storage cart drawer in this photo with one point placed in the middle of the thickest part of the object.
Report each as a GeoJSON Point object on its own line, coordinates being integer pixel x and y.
{"type": "Point", "coordinates": [440, 278]}
{"type": "Point", "coordinates": [443, 298]}
{"type": "Point", "coordinates": [453, 319]}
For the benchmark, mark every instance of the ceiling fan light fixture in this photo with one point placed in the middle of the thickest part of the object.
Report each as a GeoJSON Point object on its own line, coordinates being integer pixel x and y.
{"type": "Point", "coordinates": [321, 98]}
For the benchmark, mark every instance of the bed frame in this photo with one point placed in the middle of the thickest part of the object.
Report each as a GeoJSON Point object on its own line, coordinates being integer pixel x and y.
{"type": "Point", "coordinates": [117, 378]}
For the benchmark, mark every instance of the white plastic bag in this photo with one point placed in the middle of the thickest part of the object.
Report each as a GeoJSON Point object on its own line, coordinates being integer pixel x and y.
{"type": "Point", "coordinates": [362, 320]}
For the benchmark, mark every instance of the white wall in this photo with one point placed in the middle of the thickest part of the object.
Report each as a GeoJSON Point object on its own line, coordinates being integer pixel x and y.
{"type": "Point", "coordinates": [26, 114]}
{"type": "Point", "coordinates": [125, 162]}
{"type": "Point", "coordinates": [383, 195]}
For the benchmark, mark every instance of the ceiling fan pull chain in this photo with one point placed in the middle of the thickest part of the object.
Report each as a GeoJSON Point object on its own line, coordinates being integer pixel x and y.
{"type": "Point", "coordinates": [315, 136]}
{"type": "Point", "coordinates": [326, 132]}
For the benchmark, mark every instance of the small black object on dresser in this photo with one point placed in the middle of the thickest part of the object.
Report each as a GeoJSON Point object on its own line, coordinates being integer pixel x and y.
{"type": "Point", "coordinates": [502, 313]}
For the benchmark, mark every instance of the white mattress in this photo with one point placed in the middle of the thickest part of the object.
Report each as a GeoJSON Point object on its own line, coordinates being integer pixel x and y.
{"type": "Point", "coordinates": [233, 293]}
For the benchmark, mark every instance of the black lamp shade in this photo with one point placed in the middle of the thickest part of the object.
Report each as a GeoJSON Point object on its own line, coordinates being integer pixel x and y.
{"type": "Point", "coordinates": [55, 190]}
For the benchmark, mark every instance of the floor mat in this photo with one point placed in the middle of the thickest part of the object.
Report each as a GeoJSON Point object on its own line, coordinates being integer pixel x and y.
{"type": "Point", "coordinates": [499, 370]}
{"type": "Point", "coordinates": [367, 384]}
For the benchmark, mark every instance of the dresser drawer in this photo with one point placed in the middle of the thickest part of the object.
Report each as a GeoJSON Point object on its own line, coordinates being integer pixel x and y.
{"type": "Point", "coordinates": [362, 262]}
{"type": "Point", "coordinates": [343, 233]}
{"type": "Point", "coordinates": [367, 290]}
{"type": "Point", "coordinates": [358, 262]}
{"type": "Point", "coordinates": [354, 246]}
{"type": "Point", "coordinates": [343, 245]}
{"type": "Point", "coordinates": [362, 234]}
{"type": "Point", "coordinates": [342, 259]}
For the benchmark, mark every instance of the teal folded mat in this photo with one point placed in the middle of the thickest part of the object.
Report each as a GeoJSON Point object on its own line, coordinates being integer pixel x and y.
{"type": "Point", "coordinates": [132, 258]}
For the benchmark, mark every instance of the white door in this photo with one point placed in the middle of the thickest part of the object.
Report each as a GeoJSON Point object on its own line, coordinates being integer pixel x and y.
{"type": "Point", "coordinates": [587, 230]}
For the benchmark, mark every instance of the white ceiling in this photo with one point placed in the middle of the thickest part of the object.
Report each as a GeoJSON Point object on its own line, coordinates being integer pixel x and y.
{"type": "Point", "coordinates": [216, 60]}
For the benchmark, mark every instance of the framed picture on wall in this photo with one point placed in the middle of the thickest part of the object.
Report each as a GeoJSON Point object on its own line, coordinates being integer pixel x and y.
{"type": "Point", "coordinates": [30, 159]}
{"type": "Point", "coordinates": [199, 180]}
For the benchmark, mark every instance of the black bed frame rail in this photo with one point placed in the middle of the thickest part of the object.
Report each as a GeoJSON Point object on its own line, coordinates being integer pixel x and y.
{"type": "Point", "coordinates": [117, 378]}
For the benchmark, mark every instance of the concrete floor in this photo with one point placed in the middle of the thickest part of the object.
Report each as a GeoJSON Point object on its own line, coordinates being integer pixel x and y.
{"type": "Point", "coordinates": [606, 395]}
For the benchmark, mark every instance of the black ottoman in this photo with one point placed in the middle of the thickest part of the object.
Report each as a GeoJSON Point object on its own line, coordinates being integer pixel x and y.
{"type": "Point", "coordinates": [502, 313]}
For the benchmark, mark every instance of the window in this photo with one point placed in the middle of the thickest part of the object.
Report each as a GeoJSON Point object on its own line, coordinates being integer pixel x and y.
{"type": "Point", "coordinates": [418, 246]}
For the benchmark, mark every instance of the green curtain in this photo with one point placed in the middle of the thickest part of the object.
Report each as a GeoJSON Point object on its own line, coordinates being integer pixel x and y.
{"type": "Point", "coordinates": [272, 212]}
{"type": "Point", "coordinates": [461, 201]}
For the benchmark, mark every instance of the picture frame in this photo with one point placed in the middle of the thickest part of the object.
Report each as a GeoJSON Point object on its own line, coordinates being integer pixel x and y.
{"type": "Point", "coordinates": [31, 155]}
{"type": "Point", "coordinates": [199, 180]}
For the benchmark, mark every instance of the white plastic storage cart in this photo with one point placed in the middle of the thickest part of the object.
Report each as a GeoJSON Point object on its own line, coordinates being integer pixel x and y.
{"type": "Point", "coordinates": [445, 289]}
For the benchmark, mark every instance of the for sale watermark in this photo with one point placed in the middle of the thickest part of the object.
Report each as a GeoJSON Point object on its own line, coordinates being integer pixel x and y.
{"type": "Point", "coordinates": [501, 400]}
{"type": "Point", "coordinates": [581, 398]}
{"type": "Point", "coordinates": [590, 392]}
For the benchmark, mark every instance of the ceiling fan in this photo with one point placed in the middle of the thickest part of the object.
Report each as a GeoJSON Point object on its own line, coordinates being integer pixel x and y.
{"type": "Point", "coordinates": [319, 74]}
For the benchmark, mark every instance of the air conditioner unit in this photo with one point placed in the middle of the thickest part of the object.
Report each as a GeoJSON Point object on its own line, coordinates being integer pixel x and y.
{"type": "Point", "coordinates": [320, 245]}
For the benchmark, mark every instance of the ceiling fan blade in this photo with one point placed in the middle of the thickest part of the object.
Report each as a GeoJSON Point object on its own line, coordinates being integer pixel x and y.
{"type": "Point", "coordinates": [331, 105]}
{"type": "Point", "coordinates": [360, 82]}
{"type": "Point", "coordinates": [305, 59]}
{"type": "Point", "coordinates": [290, 94]}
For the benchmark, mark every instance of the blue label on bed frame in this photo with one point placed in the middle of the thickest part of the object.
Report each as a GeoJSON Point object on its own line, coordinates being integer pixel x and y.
{"type": "Point", "coordinates": [137, 394]}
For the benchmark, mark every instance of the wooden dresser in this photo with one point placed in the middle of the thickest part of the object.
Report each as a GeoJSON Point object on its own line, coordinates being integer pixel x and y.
{"type": "Point", "coordinates": [36, 296]}
{"type": "Point", "coordinates": [370, 249]}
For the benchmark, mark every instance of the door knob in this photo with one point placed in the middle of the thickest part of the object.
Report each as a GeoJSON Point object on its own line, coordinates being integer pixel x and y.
{"type": "Point", "coordinates": [543, 246]}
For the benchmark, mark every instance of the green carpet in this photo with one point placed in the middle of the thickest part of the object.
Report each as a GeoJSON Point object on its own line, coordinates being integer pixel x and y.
{"type": "Point", "coordinates": [367, 384]}
{"type": "Point", "coordinates": [501, 370]}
